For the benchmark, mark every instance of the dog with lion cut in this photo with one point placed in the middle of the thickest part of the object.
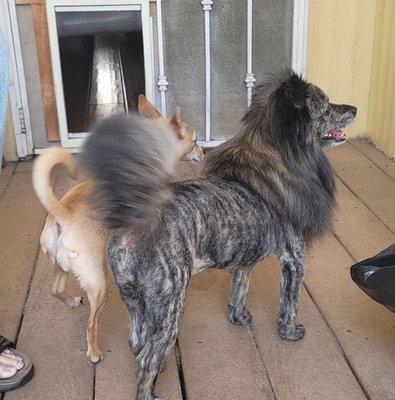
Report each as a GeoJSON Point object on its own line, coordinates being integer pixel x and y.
{"type": "Point", "coordinates": [270, 189]}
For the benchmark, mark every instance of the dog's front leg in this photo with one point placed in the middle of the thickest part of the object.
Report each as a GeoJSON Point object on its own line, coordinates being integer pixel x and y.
{"type": "Point", "coordinates": [291, 280]}
{"type": "Point", "coordinates": [237, 312]}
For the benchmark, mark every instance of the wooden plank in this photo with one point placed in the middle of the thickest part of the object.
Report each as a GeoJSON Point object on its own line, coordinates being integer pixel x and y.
{"type": "Point", "coordinates": [364, 328]}
{"type": "Point", "coordinates": [6, 175]}
{"type": "Point", "coordinates": [22, 219]}
{"type": "Point", "coordinates": [377, 192]}
{"type": "Point", "coordinates": [54, 336]}
{"type": "Point", "coordinates": [358, 229]}
{"type": "Point", "coordinates": [220, 360]}
{"type": "Point", "coordinates": [313, 368]}
{"type": "Point", "coordinates": [46, 76]}
{"type": "Point", "coordinates": [29, 2]}
{"type": "Point", "coordinates": [214, 352]}
{"type": "Point", "coordinates": [116, 374]}
{"type": "Point", "coordinates": [376, 156]}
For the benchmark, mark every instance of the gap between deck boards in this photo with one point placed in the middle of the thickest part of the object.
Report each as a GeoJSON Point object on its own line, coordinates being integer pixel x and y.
{"type": "Point", "coordinates": [362, 201]}
{"type": "Point", "coordinates": [262, 359]}
{"type": "Point", "coordinates": [336, 340]}
{"type": "Point", "coordinates": [34, 265]}
{"type": "Point", "coordinates": [180, 371]}
{"type": "Point", "coordinates": [352, 143]}
{"type": "Point", "coordinates": [8, 174]}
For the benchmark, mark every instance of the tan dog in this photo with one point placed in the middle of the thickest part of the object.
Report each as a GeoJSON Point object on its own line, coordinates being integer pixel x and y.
{"type": "Point", "coordinates": [74, 241]}
{"type": "Point", "coordinates": [186, 135]}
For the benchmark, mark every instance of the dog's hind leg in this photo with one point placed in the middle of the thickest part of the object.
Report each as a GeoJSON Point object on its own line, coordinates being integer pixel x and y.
{"type": "Point", "coordinates": [58, 289]}
{"type": "Point", "coordinates": [96, 298]}
{"type": "Point", "coordinates": [138, 329]}
{"type": "Point", "coordinates": [291, 280]}
{"type": "Point", "coordinates": [237, 312]}
{"type": "Point", "coordinates": [163, 315]}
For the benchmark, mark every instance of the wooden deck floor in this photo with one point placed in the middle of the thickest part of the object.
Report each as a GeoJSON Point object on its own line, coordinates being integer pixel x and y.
{"type": "Point", "coordinates": [348, 352]}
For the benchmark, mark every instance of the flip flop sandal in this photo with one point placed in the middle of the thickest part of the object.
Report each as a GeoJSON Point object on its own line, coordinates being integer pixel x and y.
{"type": "Point", "coordinates": [23, 375]}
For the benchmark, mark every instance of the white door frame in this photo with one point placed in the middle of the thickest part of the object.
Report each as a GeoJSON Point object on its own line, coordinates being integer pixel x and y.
{"type": "Point", "coordinates": [17, 83]}
{"type": "Point", "coordinates": [75, 140]}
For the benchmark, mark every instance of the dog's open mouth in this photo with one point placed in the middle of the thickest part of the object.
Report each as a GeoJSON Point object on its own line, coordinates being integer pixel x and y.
{"type": "Point", "coordinates": [334, 137]}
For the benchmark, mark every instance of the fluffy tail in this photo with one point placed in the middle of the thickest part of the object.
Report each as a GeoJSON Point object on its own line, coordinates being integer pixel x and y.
{"type": "Point", "coordinates": [131, 161]}
{"type": "Point", "coordinates": [42, 179]}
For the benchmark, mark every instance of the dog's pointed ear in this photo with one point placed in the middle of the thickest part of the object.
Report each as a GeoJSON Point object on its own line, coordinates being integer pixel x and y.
{"type": "Point", "coordinates": [146, 109]}
{"type": "Point", "coordinates": [288, 116]}
{"type": "Point", "coordinates": [176, 118]}
{"type": "Point", "coordinates": [176, 121]}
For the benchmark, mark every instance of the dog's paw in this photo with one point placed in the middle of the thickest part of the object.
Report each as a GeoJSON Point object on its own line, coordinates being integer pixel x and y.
{"type": "Point", "coordinates": [75, 302]}
{"type": "Point", "coordinates": [291, 333]}
{"type": "Point", "coordinates": [95, 357]}
{"type": "Point", "coordinates": [239, 316]}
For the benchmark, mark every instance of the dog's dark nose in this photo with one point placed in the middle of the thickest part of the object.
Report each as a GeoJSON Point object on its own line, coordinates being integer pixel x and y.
{"type": "Point", "coordinates": [352, 110]}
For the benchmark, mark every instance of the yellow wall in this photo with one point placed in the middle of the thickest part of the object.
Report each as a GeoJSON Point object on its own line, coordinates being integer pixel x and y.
{"type": "Point", "coordinates": [381, 117]}
{"type": "Point", "coordinates": [339, 54]}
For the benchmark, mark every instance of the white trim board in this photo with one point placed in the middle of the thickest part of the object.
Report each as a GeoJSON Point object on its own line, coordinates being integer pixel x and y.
{"type": "Point", "coordinates": [17, 83]}
{"type": "Point", "coordinates": [77, 150]}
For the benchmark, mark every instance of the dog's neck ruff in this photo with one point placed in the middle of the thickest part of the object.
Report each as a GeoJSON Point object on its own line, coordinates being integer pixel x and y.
{"type": "Point", "coordinates": [297, 183]}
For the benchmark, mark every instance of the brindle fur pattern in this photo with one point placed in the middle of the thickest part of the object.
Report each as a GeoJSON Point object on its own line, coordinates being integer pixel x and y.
{"type": "Point", "coordinates": [268, 190]}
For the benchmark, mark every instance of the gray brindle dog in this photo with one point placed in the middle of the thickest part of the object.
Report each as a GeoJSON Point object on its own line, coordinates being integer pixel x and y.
{"type": "Point", "coordinates": [270, 189]}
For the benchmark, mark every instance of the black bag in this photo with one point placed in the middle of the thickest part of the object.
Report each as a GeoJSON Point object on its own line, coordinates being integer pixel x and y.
{"type": "Point", "coordinates": [376, 277]}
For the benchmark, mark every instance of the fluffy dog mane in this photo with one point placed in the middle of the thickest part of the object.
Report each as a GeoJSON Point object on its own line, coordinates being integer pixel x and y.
{"type": "Point", "coordinates": [278, 154]}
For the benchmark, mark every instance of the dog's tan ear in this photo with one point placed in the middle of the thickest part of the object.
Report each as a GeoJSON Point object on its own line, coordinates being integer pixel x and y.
{"type": "Point", "coordinates": [176, 118]}
{"type": "Point", "coordinates": [146, 109]}
{"type": "Point", "coordinates": [176, 122]}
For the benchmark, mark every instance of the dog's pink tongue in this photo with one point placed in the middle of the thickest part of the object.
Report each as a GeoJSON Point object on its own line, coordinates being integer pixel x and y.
{"type": "Point", "coordinates": [337, 134]}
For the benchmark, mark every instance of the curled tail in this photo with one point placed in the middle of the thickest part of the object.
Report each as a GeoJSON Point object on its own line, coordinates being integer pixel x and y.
{"type": "Point", "coordinates": [41, 175]}
{"type": "Point", "coordinates": [131, 161]}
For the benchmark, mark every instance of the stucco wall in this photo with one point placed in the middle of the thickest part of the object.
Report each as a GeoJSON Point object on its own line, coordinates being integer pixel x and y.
{"type": "Point", "coordinates": [185, 59]}
{"type": "Point", "coordinates": [185, 56]}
